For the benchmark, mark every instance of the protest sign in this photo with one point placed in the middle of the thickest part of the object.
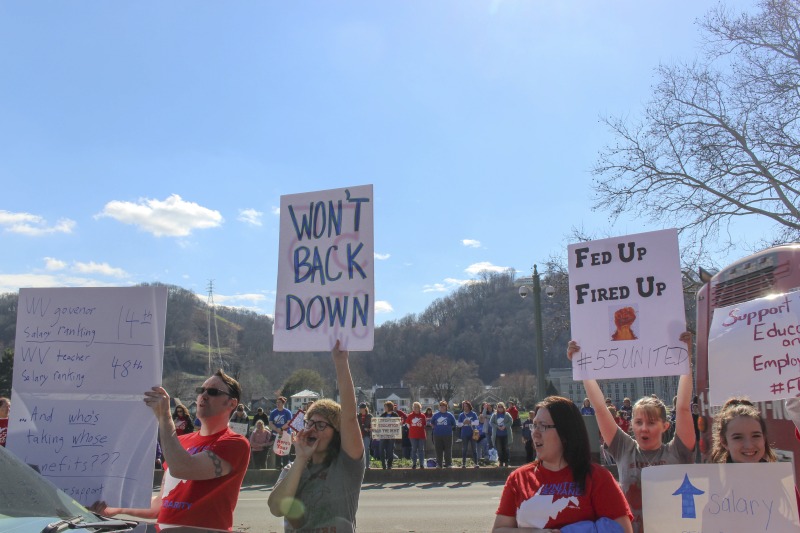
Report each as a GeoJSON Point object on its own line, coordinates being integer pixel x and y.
{"type": "Point", "coordinates": [388, 427]}
{"type": "Point", "coordinates": [720, 497]}
{"type": "Point", "coordinates": [283, 444]}
{"type": "Point", "coordinates": [239, 427]}
{"type": "Point", "coordinates": [754, 349]}
{"type": "Point", "coordinates": [297, 423]}
{"type": "Point", "coordinates": [83, 359]}
{"type": "Point", "coordinates": [326, 282]}
{"type": "Point", "coordinates": [626, 307]}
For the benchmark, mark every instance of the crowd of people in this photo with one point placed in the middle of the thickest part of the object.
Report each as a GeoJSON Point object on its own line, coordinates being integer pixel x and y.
{"type": "Point", "coordinates": [593, 497]}
{"type": "Point", "coordinates": [319, 484]}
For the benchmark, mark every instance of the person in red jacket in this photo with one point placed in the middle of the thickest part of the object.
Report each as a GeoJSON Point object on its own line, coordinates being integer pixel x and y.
{"type": "Point", "coordinates": [514, 412]}
{"type": "Point", "coordinates": [416, 422]}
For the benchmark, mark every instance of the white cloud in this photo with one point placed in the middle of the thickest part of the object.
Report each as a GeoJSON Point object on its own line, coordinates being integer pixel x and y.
{"type": "Point", "coordinates": [448, 285]}
{"type": "Point", "coordinates": [172, 217]}
{"type": "Point", "coordinates": [471, 243]}
{"type": "Point", "coordinates": [382, 257]}
{"type": "Point", "coordinates": [54, 264]}
{"type": "Point", "coordinates": [382, 306]}
{"type": "Point", "coordinates": [99, 268]}
{"type": "Point", "coordinates": [33, 225]}
{"type": "Point", "coordinates": [13, 282]}
{"type": "Point", "coordinates": [476, 268]}
{"type": "Point", "coordinates": [233, 299]}
{"type": "Point", "coordinates": [250, 216]}
{"type": "Point", "coordinates": [275, 210]}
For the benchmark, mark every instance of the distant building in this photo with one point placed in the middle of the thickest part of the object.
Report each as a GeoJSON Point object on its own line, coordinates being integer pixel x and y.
{"type": "Point", "coordinates": [665, 387]}
{"type": "Point", "coordinates": [304, 396]}
{"type": "Point", "coordinates": [490, 395]}
{"type": "Point", "coordinates": [401, 396]}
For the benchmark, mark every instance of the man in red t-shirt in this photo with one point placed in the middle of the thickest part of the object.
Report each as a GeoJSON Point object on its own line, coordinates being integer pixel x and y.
{"type": "Point", "coordinates": [204, 469]}
{"type": "Point", "coordinates": [5, 404]}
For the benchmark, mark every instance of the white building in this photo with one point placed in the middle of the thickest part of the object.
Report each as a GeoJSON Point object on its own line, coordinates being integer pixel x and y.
{"type": "Point", "coordinates": [304, 396]}
{"type": "Point", "coordinates": [665, 387]}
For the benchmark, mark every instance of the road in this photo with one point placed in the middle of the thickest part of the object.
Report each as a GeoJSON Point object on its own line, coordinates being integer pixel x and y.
{"type": "Point", "coordinates": [394, 507]}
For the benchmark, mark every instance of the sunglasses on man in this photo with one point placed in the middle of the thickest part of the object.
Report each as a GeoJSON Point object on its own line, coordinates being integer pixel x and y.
{"type": "Point", "coordinates": [211, 391]}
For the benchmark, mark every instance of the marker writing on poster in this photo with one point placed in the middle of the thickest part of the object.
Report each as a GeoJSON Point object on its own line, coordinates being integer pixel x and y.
{"type": "Point", "coordinates": [326, 264]}
{"type": "Point", "coordinates": [646, 286]}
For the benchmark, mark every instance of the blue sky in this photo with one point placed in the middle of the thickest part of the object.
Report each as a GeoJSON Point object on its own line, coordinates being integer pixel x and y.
{"type": "Point", "coordinates": [151, 141]}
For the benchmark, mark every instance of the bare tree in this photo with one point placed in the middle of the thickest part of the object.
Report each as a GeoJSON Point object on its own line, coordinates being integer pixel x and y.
{"type": "Point", "coordinates": [720, 138]}
{"type": "Point", "coordinates": [518, 386]}
{"type": "Point", "coordinates": [442, 377]}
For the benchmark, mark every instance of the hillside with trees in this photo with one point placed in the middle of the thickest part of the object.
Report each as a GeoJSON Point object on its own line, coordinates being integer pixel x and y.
{"type": "Point", "coordinates": [482, 333]}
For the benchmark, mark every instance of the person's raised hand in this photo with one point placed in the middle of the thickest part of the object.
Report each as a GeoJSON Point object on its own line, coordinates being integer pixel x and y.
{"type": "Point", "coordinates": [572, 349]}
{"type": "Point", "coordinates": [100, 507]}
{"type": "Point", "coordinates": [157, 399]}
{"type": "Point", "coordinates": [338, 353]}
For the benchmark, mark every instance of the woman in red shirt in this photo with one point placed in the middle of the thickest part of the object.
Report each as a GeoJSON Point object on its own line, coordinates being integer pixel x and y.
{"type": "Point", "coordinates": [416, 422]}
{"type": "Point", "coordinates": [183, 422]}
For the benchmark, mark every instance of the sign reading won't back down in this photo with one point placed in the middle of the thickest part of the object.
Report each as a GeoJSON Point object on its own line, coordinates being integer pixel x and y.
{"type": "Point", "coordinates": [326, 282]}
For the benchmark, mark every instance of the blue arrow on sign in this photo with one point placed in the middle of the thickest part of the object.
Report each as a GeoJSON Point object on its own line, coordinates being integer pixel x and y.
{"type": "Point", "coordinates": [687, 491]}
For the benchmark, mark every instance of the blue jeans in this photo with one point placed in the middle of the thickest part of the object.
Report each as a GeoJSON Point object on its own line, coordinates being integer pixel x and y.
{"type": "Point", "coordinates": [387, 452]}
{"type": "Point", "coordinates": [366, 450]}
{"type": "Point", "coordinates": [418, 451]}
{"type": "Point", "coordinates": [466, 443]}
{"type": "Point", "coordinates": [483, 448]}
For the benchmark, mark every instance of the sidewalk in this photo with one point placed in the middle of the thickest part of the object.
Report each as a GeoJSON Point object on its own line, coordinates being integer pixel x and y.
{"type": "Point", "coordinates": [397, 475]}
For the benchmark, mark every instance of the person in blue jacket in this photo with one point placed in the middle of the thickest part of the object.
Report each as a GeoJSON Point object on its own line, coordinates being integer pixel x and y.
{"type": "Point", "coordinates": [279, 419]}
{"type": "Point", "coordinates": [443, 424]}
{"type": "Point", "coordinates": [468, 421]}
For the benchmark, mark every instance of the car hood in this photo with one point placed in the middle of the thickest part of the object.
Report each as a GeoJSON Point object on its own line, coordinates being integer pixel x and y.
{"type": "Point", "coordinates": [32, 524]}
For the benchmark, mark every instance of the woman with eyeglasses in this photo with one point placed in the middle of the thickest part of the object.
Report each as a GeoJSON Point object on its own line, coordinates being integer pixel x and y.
{"type": "Point", "coordinates": [183, 422]}
{"type": "Point", "coordinates": [563, 486]}
{"type": "Point", "coordinates": [320, 489]}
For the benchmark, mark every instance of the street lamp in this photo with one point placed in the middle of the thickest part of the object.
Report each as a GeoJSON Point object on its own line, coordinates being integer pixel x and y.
{"type": "Point", "coordinates": [525, 288]}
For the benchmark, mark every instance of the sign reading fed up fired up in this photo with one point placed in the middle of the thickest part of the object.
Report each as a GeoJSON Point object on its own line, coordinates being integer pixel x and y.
{"type": "Point", "coordinates": [326, 282]}
{"type": "Point", "coordinates": [626, 306]}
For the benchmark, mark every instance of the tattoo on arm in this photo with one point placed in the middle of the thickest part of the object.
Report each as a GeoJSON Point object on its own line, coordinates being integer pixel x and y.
{"type": "Point", "coordinates": [217, 463]}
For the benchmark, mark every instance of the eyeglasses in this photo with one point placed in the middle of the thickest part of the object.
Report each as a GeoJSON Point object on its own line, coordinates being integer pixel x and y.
{"type": "Point", "coordinates": [538, 426]}
{"type": "Point", "coordinates": [319, 425]}
{"type": "Point", "coordinates": [211, 391]}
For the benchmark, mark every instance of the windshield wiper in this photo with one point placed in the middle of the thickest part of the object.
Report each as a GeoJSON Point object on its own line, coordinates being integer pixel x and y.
{"type": "Point", "coordinates": [106, 525]}
{"type": "Point", "coordinates": [78, 523]}
{"type": "Point", "coordinates": [55, 527]}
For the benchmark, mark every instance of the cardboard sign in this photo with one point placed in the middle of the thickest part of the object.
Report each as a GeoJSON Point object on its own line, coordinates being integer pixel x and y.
{"type": "Point", "coordinates": [389, 427]}
{"type": "Point", "coordinates": [239, 427]}
{"type": "Point", "coordinates": [283, 444]}
{"type": "Point", "coordinates": [83, 359]}
{"type": "Point", "coordinates": [720, 497]}
{"type": "Point", "coordinates": [297, 423]}
{"type": "Point", "coordinates": [626, 307]}
{"type": "Point", "coordinates": [326, 281]}
{"type": "Point", "coordinates": [754, 349]}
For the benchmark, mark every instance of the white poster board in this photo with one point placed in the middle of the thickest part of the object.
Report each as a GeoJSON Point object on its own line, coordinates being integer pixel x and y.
{"type": "Point", "coordinates": [754, 349]}
{"type": "Point", "coordinates": [626, 307]}
{"type": "Point", "coordinates": [326, 281]}
{"type": "Point", "coordinates": [83, 359]}
{"type": "Point", "coordinates": [720, 498]}
{"type": "Point", "coordinates": [388, 427]}
{"type": "Point", "coordinates": [239, 427]}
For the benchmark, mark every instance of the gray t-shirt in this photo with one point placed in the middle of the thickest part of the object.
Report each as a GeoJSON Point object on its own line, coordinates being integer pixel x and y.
{"type": "Point", "coordinates": [630, 461]}
{"type": "Point", "coordinates": [329, 495]}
